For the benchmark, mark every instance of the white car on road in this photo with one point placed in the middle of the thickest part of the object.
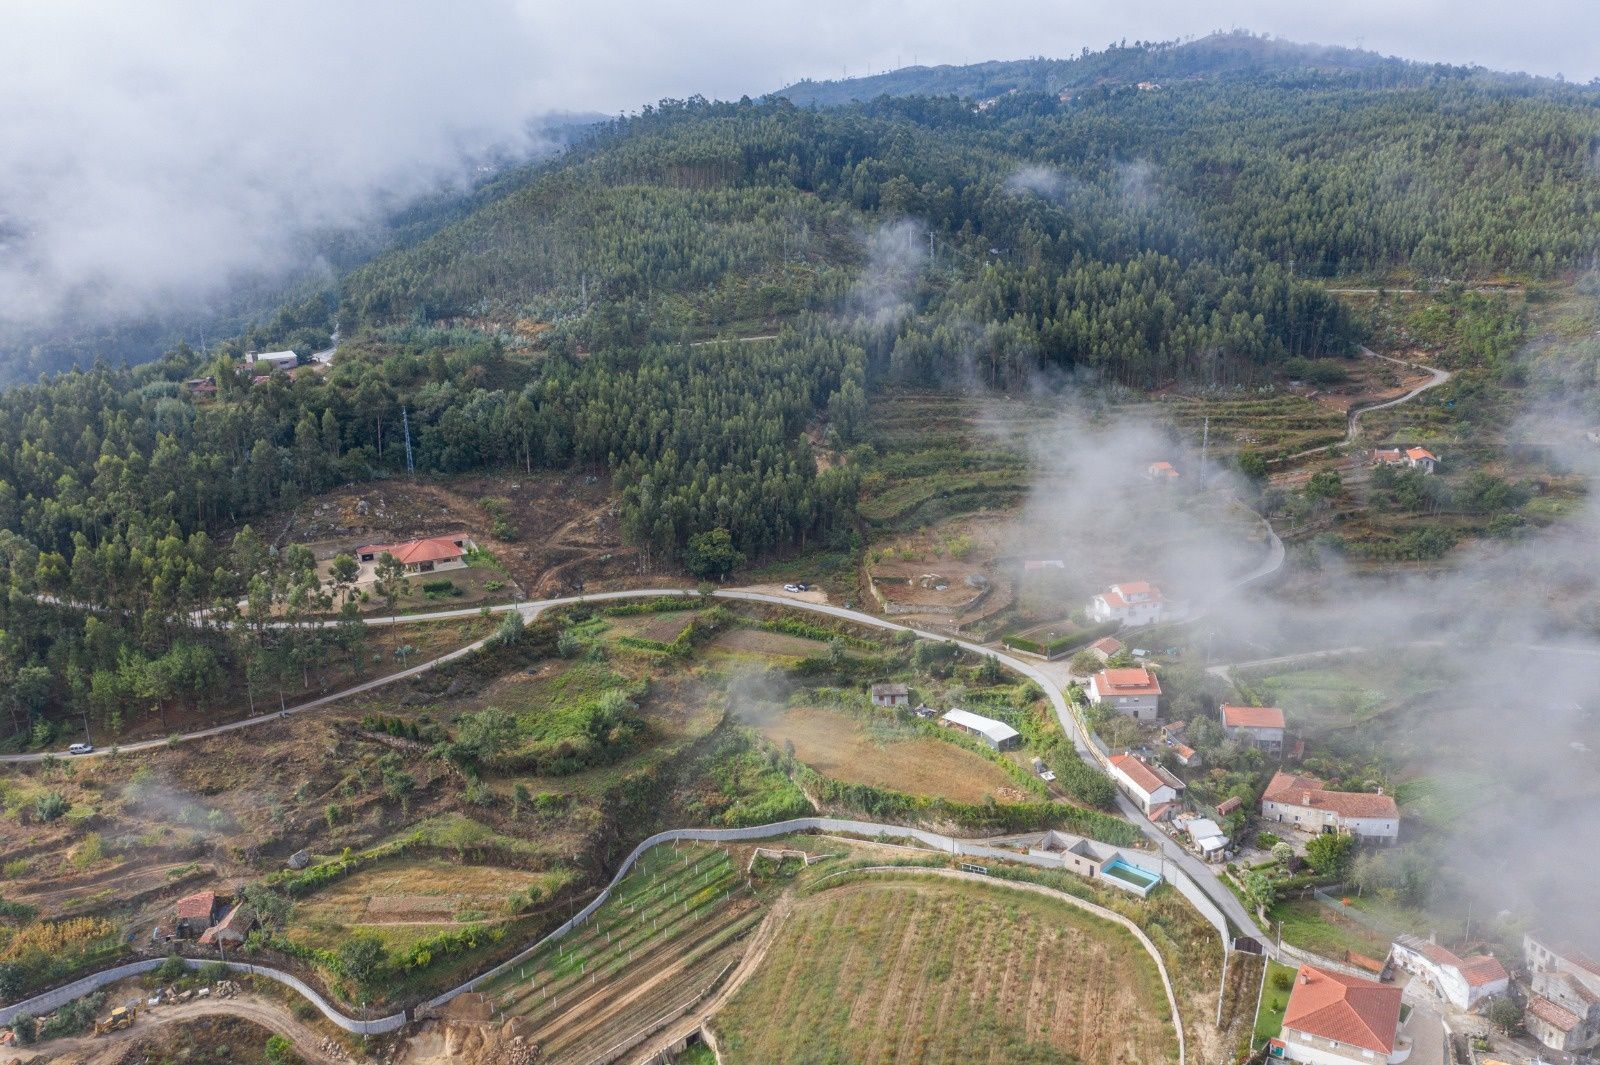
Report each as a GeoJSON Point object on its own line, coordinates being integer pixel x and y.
{"type": "Point", "coordinates": [81, 748]}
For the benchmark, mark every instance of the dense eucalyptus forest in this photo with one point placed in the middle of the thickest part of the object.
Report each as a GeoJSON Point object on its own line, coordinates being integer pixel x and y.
{"type": "Point", "coordinates": [573, 320]}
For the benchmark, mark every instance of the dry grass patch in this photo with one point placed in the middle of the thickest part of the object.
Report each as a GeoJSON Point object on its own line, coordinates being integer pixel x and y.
{"type": "Point", "coordinates": [841, 747]}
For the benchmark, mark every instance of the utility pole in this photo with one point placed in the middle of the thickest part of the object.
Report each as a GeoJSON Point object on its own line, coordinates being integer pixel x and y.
{"type": "Point", "coordinates": [405, 422]}
{"type": "Point", "coordinates": [1205, 445]}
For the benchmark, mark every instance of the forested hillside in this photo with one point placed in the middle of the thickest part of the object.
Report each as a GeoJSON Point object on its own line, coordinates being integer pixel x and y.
{"type": "Point", "coordinates": [1139, 238]}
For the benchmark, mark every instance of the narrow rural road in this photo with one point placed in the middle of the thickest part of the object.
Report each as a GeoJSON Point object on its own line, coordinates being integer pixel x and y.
{"type": "Point", "coordinates": [273, 1016]}
{"type": "Point", "coordinates": [1436, 377]}
{"type": "Point", "coordinates": [1171, 850]}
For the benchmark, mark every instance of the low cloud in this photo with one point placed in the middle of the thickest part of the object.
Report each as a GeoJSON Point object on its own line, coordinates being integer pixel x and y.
{"type": "Point", "coordinates": [158, 154]}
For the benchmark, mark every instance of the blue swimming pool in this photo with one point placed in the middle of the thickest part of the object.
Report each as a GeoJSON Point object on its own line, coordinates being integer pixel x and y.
{"type": "Point", "coordinates": [1128, 873]}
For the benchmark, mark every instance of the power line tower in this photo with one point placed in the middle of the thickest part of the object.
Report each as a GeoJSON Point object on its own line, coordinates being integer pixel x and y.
{"type": "Point", "coordinates": [405, 423]}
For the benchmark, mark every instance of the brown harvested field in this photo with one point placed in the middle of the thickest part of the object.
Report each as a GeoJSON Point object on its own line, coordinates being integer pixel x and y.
{"type": "Point", "coordinates": [947, 972]}
{"type": "Point", "coordinates": [760, 642]}
{"type": "Point", "coordinates": [840, 747]}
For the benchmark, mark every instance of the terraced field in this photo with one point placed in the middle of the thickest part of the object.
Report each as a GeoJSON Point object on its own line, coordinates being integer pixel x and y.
{"type": "Point", "coordinates": [672, 928]}
{"type": "Point", "coordinates": [1274, 425]}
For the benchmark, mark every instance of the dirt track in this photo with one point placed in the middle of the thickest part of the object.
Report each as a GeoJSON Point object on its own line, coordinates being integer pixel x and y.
{"type": "Point", "coordinates": [109, 1049]}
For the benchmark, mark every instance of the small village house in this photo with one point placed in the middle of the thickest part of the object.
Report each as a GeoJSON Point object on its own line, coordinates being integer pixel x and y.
{"type": "Point", "coordinates": [1303, 801]}
{"type": "Point", "coordinates": [1463, 982]}
{"type": "Point", "coordinates": [1161, 472]}
{"type": "Point", "coordinates": [891, 695]}
{"type": "Point", "coordinates": [272, 360]}
{"type": "Point", "coordinates": [1132, 603]}
{"type": "Point", "coordinates": [1260, 726]}
{"type": "Point", "coordinates": [1335, 1019]}
{"type": "Point", "coordinates": [1185, 754]}
{"type": "Point", "coordinates": [997, 734]}
{"type": "Point", "coordinates": [230, 932]}
{"type": "Point", "coordinates": [1106, 648]}
{"type": "Point", "coordinates": [1135, 692]}
{"type": "Point", "coordinates": [1154, 789]}
{"type": "Point", "coordinates": [194, 914]}
{"type": "Point", "coordinates": [1229, 805]}
{"type": "Point", "coordinates": [1563, 1008]}
{"type": "Point", "coordinates": [419, 556]}
{"type": "Point", "coordinates": [1411, 458]}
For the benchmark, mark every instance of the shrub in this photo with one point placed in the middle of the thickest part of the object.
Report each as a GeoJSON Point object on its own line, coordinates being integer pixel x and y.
{"type": "Point", "coordinates": [212, 971]}
{"type": "Point", "coordinates": [172, 968]}
{"type": "Point", "coordinates": [50, 805]}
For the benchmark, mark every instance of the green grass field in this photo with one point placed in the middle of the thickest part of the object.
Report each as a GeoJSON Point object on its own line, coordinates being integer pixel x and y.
{"type": "Point", "coordinates": [1274, 1001]}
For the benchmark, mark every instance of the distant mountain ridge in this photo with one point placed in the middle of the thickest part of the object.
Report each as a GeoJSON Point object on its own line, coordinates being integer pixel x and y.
{"type": "Point", "coordinates": [1220, 55]}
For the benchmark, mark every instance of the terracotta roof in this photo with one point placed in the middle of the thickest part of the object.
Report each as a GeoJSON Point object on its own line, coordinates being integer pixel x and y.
{"type": "Point", "coordinates": [1146, 777]}
{"type": "Point", "coordinates": [1108, 645]}
{"type": "Point", "coordinates": [1230, 804]}
{"type": "Point", "coordinates": [199, 905]}
{"type": "Point", "coordinates": [1161, 469]}
{"type": "Point", "coordinates": [1420, 453]}
{"type": "Point", "coordinates": [1252, 716]}
{"type": "Point", "coordinates": [433, 549]}
{"type": "Point", "coordinates": [1552, 1014]}
{"type": "Point", "coordinates": [1348, 1009]}
{"type": "Point", "coordinates": [1184, 751]}
{"type": "Point", "coordinates": [1298, 790]}
{"type": "Point", "coordinates": [1386, 455]}
{"type": "Point", "coordinates": [1481, 969]}
{"type": "Point", "coordinates": [1137, 588]}
{"type": "Point", "coordinates": [1134, 681]}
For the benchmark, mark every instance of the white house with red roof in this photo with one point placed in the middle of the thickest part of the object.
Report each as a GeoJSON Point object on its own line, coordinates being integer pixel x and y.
{"type": "Point", "coordinates": [1307, 804]}
{"type": "Point", "coordinates": [1335, 1019]}
{"type": "Point", "coordinates": [1153, 788]}
{"type": "Point", "coordinates": [1132, 603]}
{"type": "Point", "coordinates": [1135, 691]}
{"type": "Point", "coordinates": [419, 556]}
{"type": "Point", "coordinates": [1463, 982]}
{"type": "Point", "coordinates": [1259, 726]}
{"type": "Point", "coordinates": [1412, 458]}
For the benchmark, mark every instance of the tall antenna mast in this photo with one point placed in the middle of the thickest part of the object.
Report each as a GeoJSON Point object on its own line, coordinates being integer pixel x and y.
{"type": "Point", "coordinates": [405, 423]}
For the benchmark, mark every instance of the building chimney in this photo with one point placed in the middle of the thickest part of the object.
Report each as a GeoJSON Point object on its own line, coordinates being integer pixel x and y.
{"type": "Point", "coordinates": [1305, 798]}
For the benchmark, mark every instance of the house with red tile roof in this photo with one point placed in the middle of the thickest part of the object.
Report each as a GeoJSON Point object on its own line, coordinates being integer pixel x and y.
{"type": "Point", "coordinates": [1556, 1026]}
{"type": "Point", "coordinates": [1259, 726]}
{"type": "Point", "coordinates": [420, 556]}
{"type": "Point", "coordinates": [1106, 648]}
{"type": "Point", "coordinates": [1148, 785]}
{"type": "Point", "coordinates": [1335, 1019]}
{"type": "Point", "coordinates": [1307, 804]}
{"type": "Point", "coordinates": [1412, 458]}
{"type": "Point", "coordinates": [1132, 603]}
{"type": "Point", "coordinates": [1135, 692]}
{"type": "Point", "coordinates": [193, 913]}
{"type": "Point", "coordinates": [1463, 982]}
{"type": "Point", "coordinates": [1161, 472]}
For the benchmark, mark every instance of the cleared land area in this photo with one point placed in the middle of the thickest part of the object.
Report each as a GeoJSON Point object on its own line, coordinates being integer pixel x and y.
{"type": "Point", "coordinates": [935, 972]}
{"type": "Point", "coordinates": [843, 748]}
{"type": "Point", "coordinates": [760, 642]}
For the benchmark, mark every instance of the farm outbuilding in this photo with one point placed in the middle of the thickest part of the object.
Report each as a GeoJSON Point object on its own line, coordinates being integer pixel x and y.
{"type": "Point", "coordinates": [891, 695]}
{"type": "Point", "coordinates": [997, 734]}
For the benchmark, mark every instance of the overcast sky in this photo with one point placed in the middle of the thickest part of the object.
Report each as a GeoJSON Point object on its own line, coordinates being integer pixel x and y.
{"type": "Point", "coordinates": [156, 152]}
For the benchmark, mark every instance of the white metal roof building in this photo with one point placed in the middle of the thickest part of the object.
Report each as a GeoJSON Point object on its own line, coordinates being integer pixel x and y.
{"type": "Point", "coordinates": [996, 734]}
{"type": "Point", "coordinates": [1207, 835]}
{"type": "Point", "coordinates": [278, 360]}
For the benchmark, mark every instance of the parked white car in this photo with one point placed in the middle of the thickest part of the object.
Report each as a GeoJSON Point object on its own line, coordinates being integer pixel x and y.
{"type": "Point", "coordinates": [81, 748]}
